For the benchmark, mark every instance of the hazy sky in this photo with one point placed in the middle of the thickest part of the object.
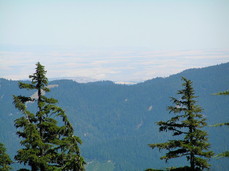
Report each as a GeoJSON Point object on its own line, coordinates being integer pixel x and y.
{"type": "Point", "coordinates": [112, 39]}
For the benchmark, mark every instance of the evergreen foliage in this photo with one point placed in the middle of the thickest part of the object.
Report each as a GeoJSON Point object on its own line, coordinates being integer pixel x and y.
{"type": "Point", "coordinates": [223, 93]}
{"type": "Point", "coordinates": [5, 160]}
{"type": "Point", "coordinates": [109, 125]}
{"type": "Point", "coordinates": [226, 153]}
{"type": "Point", "coordinates": [47, 135]}
{"type": "Point", "coordinates": [187, 124]}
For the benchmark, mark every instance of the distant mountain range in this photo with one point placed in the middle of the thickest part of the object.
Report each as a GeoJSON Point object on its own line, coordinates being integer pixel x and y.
{"type": "Point", "coordinates": [117, 122]}
{"type": "Point", "coordinates": [77, 79]}
{"type": "Point", "coordinates": [89, 80]}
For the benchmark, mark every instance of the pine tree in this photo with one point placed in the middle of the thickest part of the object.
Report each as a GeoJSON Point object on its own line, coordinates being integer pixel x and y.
{"type": "Point", "coordinates": [226, 153]}
{"type": "Point", "coordinates": [186, 124]}
{"type": "Point", "coordinates": [223, 93]}
{"type": "Point", "coordinates": [5, 160]}
{"type": "Point", "coordinates": [47, 135]}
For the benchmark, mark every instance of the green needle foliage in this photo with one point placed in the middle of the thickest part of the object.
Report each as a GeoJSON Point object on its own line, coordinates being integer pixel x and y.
{"type": "Point", "coordinates": [47, 135]}
{"type": "Point", "coordinates": [226, 153]}
{"type": "Point", "coordinates": [5, 160]}
{"type": "Point", "coordinates": [223, 93]}
{"type": "Point", "coordinates": [186, 124]}
{"type": "Point", "coordinates": [226, 123]}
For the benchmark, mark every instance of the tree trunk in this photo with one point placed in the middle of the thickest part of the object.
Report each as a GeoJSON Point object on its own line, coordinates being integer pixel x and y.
{"type": "Point", "coordinates": [42, 167]}
{"type": "Point", "coordinates": [33, 167]}
{"type": "Point", "coordinates": [192, 161]}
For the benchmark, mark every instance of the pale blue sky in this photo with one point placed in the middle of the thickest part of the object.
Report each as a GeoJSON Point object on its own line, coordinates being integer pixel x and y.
{"type": "Point", "coordinates": [127, 25]}
{"type": "Point", "coordinates": [162, 24]}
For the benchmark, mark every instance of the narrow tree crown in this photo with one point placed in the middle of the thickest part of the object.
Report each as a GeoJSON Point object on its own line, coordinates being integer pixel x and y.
{"type": "Point", "coordinates": [49, 144]}
{"type": "Point", "coordinates": [186, 124]}
{"type": "Point", "coordinates": [5, 160]}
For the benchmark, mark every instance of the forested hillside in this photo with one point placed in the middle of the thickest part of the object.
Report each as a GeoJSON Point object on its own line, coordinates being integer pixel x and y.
{"type": "Point", "coordinates": [117, 122]}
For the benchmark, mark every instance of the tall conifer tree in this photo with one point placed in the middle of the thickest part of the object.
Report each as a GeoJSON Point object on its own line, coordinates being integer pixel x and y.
{"type": "Point", "coordinates": [187, 124]}
{"type": "Point", "coordinates": [226, 153]}
{"type": "Point", "coordinates": [5, 160]}
{"type": "Point", "coordinates": [48, 144]}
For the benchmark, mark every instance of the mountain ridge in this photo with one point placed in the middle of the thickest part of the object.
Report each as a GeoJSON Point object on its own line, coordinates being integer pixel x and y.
{"type": "Point", "coordinates": [116, 122]}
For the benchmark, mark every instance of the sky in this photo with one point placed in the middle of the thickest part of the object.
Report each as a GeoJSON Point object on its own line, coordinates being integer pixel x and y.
{"type": "Point", "coordinates": [128, 40]}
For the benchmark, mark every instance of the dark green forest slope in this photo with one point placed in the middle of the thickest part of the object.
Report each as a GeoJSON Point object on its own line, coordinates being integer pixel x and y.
{"type": "Point", "coordinates": [117, 122]}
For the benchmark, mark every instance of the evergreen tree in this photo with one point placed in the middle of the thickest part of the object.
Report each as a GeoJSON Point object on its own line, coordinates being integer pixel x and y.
{"type": "Point", "coordinates": [5, 160]}
{"type": "Point", "coordinates": [186, 124]}
{"type": "Point", "coordinates": [226, 153]}
{"type": "Point", "coordinates": [47, 135]}
{"type": "Point", "coordinates": [223, 93]}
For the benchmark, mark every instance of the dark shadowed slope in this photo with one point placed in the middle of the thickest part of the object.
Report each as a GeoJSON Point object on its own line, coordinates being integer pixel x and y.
{"type": "Point", "coordinates": [117, 122]}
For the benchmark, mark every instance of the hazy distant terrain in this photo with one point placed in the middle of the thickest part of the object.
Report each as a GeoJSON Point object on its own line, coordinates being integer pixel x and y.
{"type": "Point", "coordinates": [94, 64]}
{"type": "Point", "coordinates": [116, 122]}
